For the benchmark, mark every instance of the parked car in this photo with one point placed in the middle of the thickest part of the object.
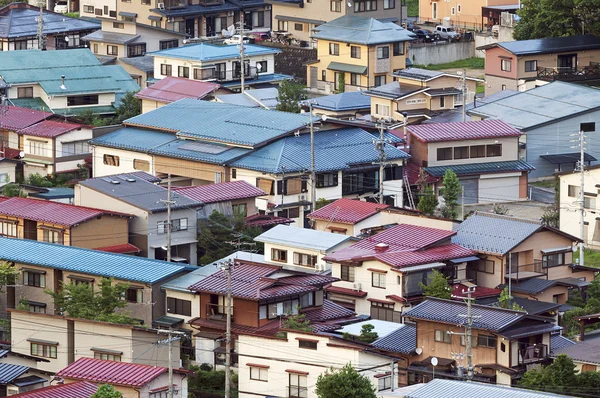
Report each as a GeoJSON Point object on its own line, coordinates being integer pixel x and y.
{"type": "Point", "coordinates": [236, 39]}
{"type": "Point", "coordinates": [426, 35]}
{"type": "Point", "coordinates": [61, 7]}
{"type": "Point", "coordinates": [411, 26]}
{"type": "Point", "coordinates": [258, 37]}
{"type": "Point", "coordinates": [447, 33]}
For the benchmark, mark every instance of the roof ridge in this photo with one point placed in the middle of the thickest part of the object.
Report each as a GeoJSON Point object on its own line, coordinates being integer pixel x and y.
{"type": "Point", "coordinates": [507, 217]}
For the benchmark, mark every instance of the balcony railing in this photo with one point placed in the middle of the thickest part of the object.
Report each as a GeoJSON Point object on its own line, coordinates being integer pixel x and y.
{"type": "Point", "coordinates": [216, 312]}
{"type": "Point", "coordinates": [170, 4]}
{"type": "Point", "coordinates": [297, 392]}
{"type": "Point", "coordinates": [250, 72]}
{"type": "Point", "coordinates": [526, 271]}
{"type": "Point", "coordinates": [226, 75]}
{"type": "Point", "coordinates": [591, 72]}
{"type": "Point", "coordinates": [534, 353]}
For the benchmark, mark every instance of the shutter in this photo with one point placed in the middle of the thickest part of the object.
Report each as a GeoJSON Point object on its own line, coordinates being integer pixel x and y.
{"type": "Point", "coordinates": [265, 185]}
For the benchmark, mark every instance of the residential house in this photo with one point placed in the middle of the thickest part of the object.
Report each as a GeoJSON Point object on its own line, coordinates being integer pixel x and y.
{"type": "Point", "coordinates": [130, 379]}
{"type": "Point", "coordinates": [381, 275]}
{"type": "Point", "coordinates": [257, 98]}
{"type": "Point", "coordinates": [538, 259]}
{"type": "Point", "coordinates": [547, 116]}
{"type": "Point", "coordinates": [349, 105]}
{"type": "Point", "coordinates": [63, 82]}
{"type": "Point", "coordinates": [45, 336]}
{"type": "Point", "coordinates": [66, 264]}
{"type": "Point", "coordinates": [420, 93]}
{"type": "Point", "coordinates": [171, 89]}
{"type": "Point", "coordinates": [81, 389]}
{"type": "Point", "coordinates": [357, 53]}
{"type": "Point", "coordinates": [219, 63]}
{"type": "Point", "coordinates": [525, 64]}
{"type": "Point", "coordinates": [19, 378]}
{"type": "Point", "coordinates": [20, 26]}
{"type": "Point", "coordinates": [148, 203]}
{"type": "Point", "coordinates": [506, 342]}
{"type": "Point", "coordinates": [583, 354]}
{"type": "Point", "coordinates": [483, 154]}
{"type": "Point", "coordinates": [60, 195]}
{"type": "Point", "coordinates": [14, 119]}
{"type": "Point", "coordinates": [471, 14]}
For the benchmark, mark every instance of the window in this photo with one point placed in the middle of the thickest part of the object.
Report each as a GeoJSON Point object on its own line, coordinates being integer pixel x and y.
{"type": "Point", "coordinates": [478, 151]}
{"type": "Point", "coordinates": [258, 19]}
{"type": "Point", "coordinates": [494, 150]}
{"type": "Point", "coordinates": [355, 51]}
{"type": "Point", "coordinates": [166, 69]}
{"type": "Point", "coordinates": [39, 308]}
{"type": "Point", "coordinates": [25, 92]}
{"type": "Point", "coordinates": [324, 75]}
{"type": "Point", "coordinates": [573, 191]}
{"type": "Point", "coordinates": [589, 203]}
{"type": "Point", "coordinates": [334, 49]}
{"type": "Point", "coordinates": [354, 79]}
{"type": "Point", "coordinates": [8, 228]}
{"type": "Point", "coordinates": [461, 152]}
{"type": "Point", "coordinates": [179, 307]}
{"type": "Point", "coordinates": [530, 66]}
{"type": "Point", "coordinates": [307, 344]}
{"type": "Point", "coordinates": [136, 50]}
{"type": "Point", "coordinates": [452, 11]}
{"type": "Point", "coordinates": [112, 14]}
{"type": "Point", "coordinates": [434, 10]}
{"type": "Point", "coordinates": [89, 9]}
{"type": "Point", "coordinates": [183, 71]}
{"type": "Point", "coordinates": [442, 102]}
{"type": "Point", "coordinates": [335, 6]}
{"type": "Point", "coordinates": [486, 266]}
{"type": "Point", "coordinates": [505, 65]}
{"type": "Point", "coordinates": [282, 26]}
{"type": "Point", "coordinates": [383, 52]}
{"type": "Point", "coordinates": [379, 80]}
{"type": "Point", "coordinates": [292, 212]}
{"type": "Point", "coordinates": [378, 279]}
{"type": "Point", "coordinates": [105, 10]}
{"type": "Point", "coordinates": [382, 110]}
{"type": "Point", "coordinates": [79, 100]}
{"type": "Point", "coordinates": [166, 44]}
{"type": "Point", "coordinates": [105, 356]}
{"type": "Point", "coordinates": [486, 341]}
{"type": "Point", "coordinates": [503, 87]}
{"type": "Point", "coordinates": [444, 154]}
{"type": "Point", "coordinates": [53, 236]}
{"type": "Point", "coordinates": [587, 127]}
{"type": "Point", "coordinates": [95, 48]}
{"type": "Point", "coordinates": [327, 180]}
{"type": "Point", "coordinates": [307, 300]}
{"type": "Point", "coordinates": [112, 50]}
{"type": "Point", "coordinates": [389, 4]}
{"type": "Point", "coordinates": [552, 260]}
{"type": "Point", "coordinates": [306, 260]}
{"type": "Point", "coordinates": [365, 5]}
{"type": "Point", "coordinates": [37, 147]}
{"type": "Point", "coordinates": [34, 278]}
{"type": "Point", "coordinates": [118, 25]}
{"type": "Point", "coordinates": [416, 101]}
{"type": "Point", "coordinates": [240, 209]}
{"type": "Point", "coordinates": [98, 11]}
{"type": "Point", "coordinates": [298, 386]}
{"type": "Point", "coordinates": [263, 66]}
{"type": "Point", "coordinates": [459, 7]}
{"type": "Point", "coordinates": [299, 27]}
{"type": "Point", "coordinates": [111, 160]}
{"type": "Point", "coordinates": [443, 337]}
{"type": "Point", "coordinates": [279, 255]}
{"type": "Point", "coordinates": [259, 373]}
{"type": "Point", "coordinates": [143, 165]}
{"type": "Point", "coordinates": [347, 273]}
{"type": "Point", "coordinates": [155, 24]}
{"type": "Point", "coordinates": [43, 350]}
{"type": "Point", "coordinates": [384, 382]}
{"type": "Point", "coordinates": [134, 295]}
{"type": "Point", "coordinates": [398, 49]}
{"type": "Point", "coordinates": [180, 224]}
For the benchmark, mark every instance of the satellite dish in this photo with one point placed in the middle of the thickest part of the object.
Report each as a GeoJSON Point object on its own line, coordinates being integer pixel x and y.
{"type": "Point", "coordinates": [419, 350]}
{"type": "Point", "coordinates": [259, 67]}
{"type": "Point", "coordinates": [575, 248]}
{"type": "Point", "coordinates": [21, 154]}
{"type": "Point", "coordinates": [324, 118]}
{"type": "Point", "coordinates": [434, 361]}
{"type": "Point", "coordinates": [184, 41]}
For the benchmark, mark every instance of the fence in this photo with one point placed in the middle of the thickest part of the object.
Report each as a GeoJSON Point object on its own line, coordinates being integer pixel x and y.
{"type": "Point", "coordinates": [441, 53]}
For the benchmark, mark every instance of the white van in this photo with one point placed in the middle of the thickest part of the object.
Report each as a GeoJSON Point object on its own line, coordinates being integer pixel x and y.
{"type": "Point", "coordinates": [61, 7]}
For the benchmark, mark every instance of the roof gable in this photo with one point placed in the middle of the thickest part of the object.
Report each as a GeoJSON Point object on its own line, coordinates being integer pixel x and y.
{"type": "Point", "coordinates": [347, 211]}
{"type": "Point", "coordinates": [360, 30]}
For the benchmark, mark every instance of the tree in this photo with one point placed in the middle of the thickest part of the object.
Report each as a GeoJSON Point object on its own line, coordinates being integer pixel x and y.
{"type": "Point", "coordinates": [560, 377]}
{"type": "Point", "coordinates": [106, 391]}
{"type": "Point", "coordinates": [129, 106]}
{"type": "Point", "coordinates": [8, 275]}
{"type": "Point", "coordinates": [344, 383]}
{"type": "Point", "coordinates": [297, 322]}
{"type": "Point", "coordinates": [367, 335]}
{"type": "Point", "coordinates": [12, 190]}
{"type": "Point", "coordinates": [428, 202]}
{"type": "Point", "coordinates": [321, 202]}
{"type": "Point", "coordinates": [505, 301]}
{"type": "Point", "coordinates": [37, 180]}
{"type": "Point", "coordinates": [438, 286]}
{"type": "Point", "coordinates": [341, 82]}
{"type": "Point", "coordinates": [450, 193]}
{"type": "Point", "coordinates": [289, 96]}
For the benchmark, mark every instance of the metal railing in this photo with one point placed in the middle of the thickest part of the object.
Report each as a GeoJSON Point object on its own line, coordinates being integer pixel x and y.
{"type": "Point", "coordinates": [590, 72]}
{"type": "Point", "coordinates": [523, 271]}
{"type": "Point", "coordinates": [534, 353]}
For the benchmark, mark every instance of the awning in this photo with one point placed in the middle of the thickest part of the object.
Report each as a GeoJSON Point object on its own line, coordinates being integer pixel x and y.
{"type": "Point", "coordinates": [568, 158]}
{"type": "Point", "coordinates": [169, 321]}
{"type": "Point", "coordinates": [106, 351]}
{"type": "Point", "coordinates": [421, 267]}
{"type": "Point", "coordinates": [342, 67]}
{"type": "Point", "coordinates": [154, 18]}
{"type": "Point", "coordinates": [304, 20]}
{"type": "Point", "coordinates": [464, 259]}
{"type": "Point", "coordinates": [557, 250]}
{"type": "Point", "coordinates": [127, 14]}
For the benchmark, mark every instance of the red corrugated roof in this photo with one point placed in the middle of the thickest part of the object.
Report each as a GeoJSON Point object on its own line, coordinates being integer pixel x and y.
{"type": "Point", "coordinates": [346, 291]}
{"type": "Point", "coordinates": [328, 311]}
{"type": "Point", "coordinates": [17, 118]}
{"type": "Point", "coordinates": [125, 248]}
{"type": "Point", "coordinates": [480, 292]}
{"type": "Point", "coordinates": [171, 89]}
{"type": "Point", "coordinates": [51, 212]}
{"type": "Point", "coordinates": [81, 389]}
{"type": "Point", "coordinates": [432, 255]}
{"type": "Point", "coordinates": [221, 192]}
{"type": "Point", "coordinates": [117, 373]}
{"type": "Point", "coordinates": [348, 211]}
{"type": "Point", "coordinates": [457, 131]}
{"type": "Point", "coordinates": [49, 128]}
{"type": "Point", "coordinates": [263, 220]}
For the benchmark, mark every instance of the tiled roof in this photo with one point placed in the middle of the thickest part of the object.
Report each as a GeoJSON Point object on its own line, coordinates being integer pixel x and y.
{"type": "Point", "coordinates": [347, 211]}
{"type": "Point", "coordinates": [328, 311]}
{"type": "Point", "coordinates": [80, 389]}
{"type": "Point", "coordinates": [480, 168]}
{"type": "Point", "coordinates": [221, 192]}
{"type": "Point", "coordinates": [256, 98]}
{"type": "Point", "coordinates": [17, 118]}
{"type": "Point", "coordinates": [110, 372]}
{"type": "Point", "coordinates": [531, 286]}
{"type": "Point", "coordinates": [346, 291]}
{"type": "Point", "coordinates": [49, 128]}
{"type": "Point", "coordinates": [360, 30]}
{"type": "Point", "coordinates": [418, 73]}
{"type": "Point", "coordinates": [125, 248]}
{"type": "Point", "coordinates": [425, 256]}
{"type": "Point", "coordinates": [302, 238]}
{"type": "Point", "coordinates": [85, 261]}
{"type": "Point", "coordinates": [204, 52]}
{"type": "Point", "coordinates": [403, 340]}
{"type": "Point", "coordinates": [493, 233]}
{"type": "Point", "coordinates": [9, 372]}
{"type": "Point", "coordinates": [532, 307]}
{"type": "Point", "coordinates": [172, 89]}
{"type": "Point", "coordinates": [558, 341]}
{"type": "Point", "coordinates": [51, 212]}
{"type": "Point", "coordinates": [440, 388]}
{"type": "Point", "coordinates": [550, 45]}
{"type": "Point", "coordinates": [459, 131]}
{"type": "Point", "coordinates": [518, 332]}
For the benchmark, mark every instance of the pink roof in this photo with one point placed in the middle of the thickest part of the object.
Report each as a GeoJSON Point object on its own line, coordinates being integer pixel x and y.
{"type": "Point", "coordinates": [171, 89]}
{"type": "Point", "coordinates": [117, 373]}
{"type": "Point", "coordinates": [17, 118]}
{"type": "Point", "coordinates": [221, 192]}
{"type": "Point", "coordinates": [262, 220]}
{"type": "Point", "coordinates": [81, 389]}
{"type": "Point", "coordinates": [426, 256]}
{"type": "Point", "coordinates": [459, 131]}
{"type": "Point", "coordinates": [50, 129]}
{"type": "Point", "coordinates": [480, 292]}
{"type": "Point", "coordinates": [125, 248]}
{"type": "Point", "coordinates": [348, 211]}
{"type": "Point", "coordinates": [51, 212]}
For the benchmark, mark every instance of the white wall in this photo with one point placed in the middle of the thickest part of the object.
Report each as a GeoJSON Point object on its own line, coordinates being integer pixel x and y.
{"type": "Point", "coordinates": [510, 151]}
{"type": "Point", "coordinates": [125, 161]}
{"type": "Point", "coordinates": [570, 219]}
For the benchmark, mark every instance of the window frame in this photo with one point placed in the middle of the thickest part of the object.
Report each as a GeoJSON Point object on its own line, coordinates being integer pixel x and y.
{"type": "Point", "coordinates": [389, 4]}
{"type": "Point", "coordinates": [398, 48]}
{"type": "Point", "coordinates": [48, 350]}
{"type": "Point", "coordinates": [461, 152]}
{"type": "Point", "coordinates": [445, 152]}
{"type": "Point", "coordinates": [489, 147]}
{"type": "Point", "coordinates": [355, 52]}
{"type": "Point", "coordinates": [298, 259]}
{"type": "Point", "coordinates": [474, 149]}
{"type": "Point", "coordinates": [335, 6]}
{"type": "Point", "coordinates": [506, 65]}
{"type": "Point", "coordinates": [28, 92]}
{"type": "Point", "coordinates": [528, 67]}
{"type": "Point", "coordinates": [166, 69]}
{"type": "Point", "coordinates": [334, 49]}
{"type": "Point", "coordinates": [279, 255]}
{"type": "Point", "coordinates": [559, 262]}
{"type": "Point", "coordinates": [179, 306]}
{"type": "Point", "coordinates": [83, 100]}
{"type": "Point", "coordinates": [30, 276]}
{"type": "Point", "coordinates": [347, 273]}
{"type": "Point", "coordinates": [486, 263]}
{"type": "Point", "coordinates": [183, 71]}
{"type": "Point", "coordinates": [587, 127]}
{"type": "Point", "coordinates": [383, 52]}
{"type": "Point", "coordinates": [260, 370]}
{"type": "Point", "coordinates": [378, 280]}
{"type": "Point", "coordinates": [487, 341]}
{"type": "Point", "coordinates": [136, 50]}
{"type": "Point", "coordinates": [307, 344]}
{"type": "Point", "coordinates": [442, 336]}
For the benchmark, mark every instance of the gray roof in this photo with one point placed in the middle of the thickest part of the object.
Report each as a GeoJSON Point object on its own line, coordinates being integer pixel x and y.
{"type": "Point", "coordinates": [302, 238]}
{"type": "Point", "coordinates": [145, 63]}
{"type": "Point", "coordinates": [455, 115]}
{"type": "Point", "coordinates": [395, 90]}
{"type": "Point", "coordinates": [402, 340]}
{"type": "Point", "coordinates": [493, 233]}
{"type": "Point", "coordinates": [110, 37]}
{"type": "Point", "coordinates": [552, 45]}
{"type": "Point", "coordinates": [257, 98]}
{"type": "Point", "coordinates": [21, 22]}
{"type": "Point", "coordinates": [418, 73]}
{"type": "Point", "coordinates": [531, 286]}
{"type": "Point", "coordinates": [532, 307]}
{"type": "Point", "coordinates": [9, 372]}
{"type": "Point", "coordinates": [139, 193]}
{"type": "Point", "coordinates": [440, 388]}
{"type": "Point", "coordinates": [348, 100]}
{"type": "Point", "coordinates": [541, 105]}
{"type": "Point", "coordinates": [585, 351]}
{"type": "Point", "coordinates": [360, 30]}
{"type": "Point", "coordinates": [558, 341]}
{"type": "Point", "coordinates": [480, 168]}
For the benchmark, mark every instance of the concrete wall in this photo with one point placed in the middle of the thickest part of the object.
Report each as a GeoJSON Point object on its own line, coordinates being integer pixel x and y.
{"type": "Point", "coordinates": [126, 159]}
{"type": "Point", "coordinates": [441, 52]}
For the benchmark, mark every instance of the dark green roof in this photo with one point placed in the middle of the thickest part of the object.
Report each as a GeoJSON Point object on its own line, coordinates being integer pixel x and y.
{"type": "Point", "coordinates": [480, 168]}
{"type": "Point", "coordinates": [342, 67]}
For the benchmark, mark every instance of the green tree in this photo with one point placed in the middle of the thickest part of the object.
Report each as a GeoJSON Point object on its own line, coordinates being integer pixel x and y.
{"type": "Point", "coordinates": [344, 383]}
{"type": "Point", "coordinates": [559, 377]}
{"type": "Point", "coordinates": [8, 275]}
{"type": "Point", "coordinates": [289, 96]}
{"type": "Point", "coordinates": [437, 286]}
{"type": "Point", "coordinates": [297, 322]}
{"type": "Point", "coordinates": [37, 180]}
{"type": "Point", "coordinates": [450, 192]}
{"type": "Point", "coordinates": [321, 202]}
{"type": "Point", "coordinates": [428, 202]}
{"type": "Point", "coordinates": [367, 335]}
{"type": "Point", "coordinates": [12, 190]}
{"type": "Point", "coordinates": [505, 301]}
{"type": "Point", "coordinates": [106, 391]}
{"type": "Point", "coordinates": [341, 82]}
{"type": "Point", "coordinates": [129, 106]}
{"type": "Point", "coordinates": [209, 383]}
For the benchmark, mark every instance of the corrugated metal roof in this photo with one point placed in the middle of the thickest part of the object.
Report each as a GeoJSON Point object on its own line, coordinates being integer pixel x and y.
{"type": "Point", "coordinates": [425, 256]}
{"type": "Point", "coordinates": [17, 118]}
{"type": "Point", "coordinates": [110, 372]}
{"type": "Point", "coordinates": [395, 90]}
{"type": "Point", "coordinates": [80, 389]}
{"type": "Point", "coordinates": [126, 248]}
{"type": "Point", "coordinates": [361, 30]}
{"type": "Point", "coordinates": [260, 97]}
{"type": "Point", "coordinates": [85, 261]}
{"type": "Point", "coordinates": [328, 311]}
{"type": "Point", "coordinates": [459, 131]}
{"type": "Point", "coordinates": [402, 340]}
{"type": "Point", "coordinates": [418, 73]}
{"type": "Point", "coordinates": [110, 37]}
{"type": "Point", "coordinates": [49, 128]}
{"type": "Point", "coordinates": [342, 102]}
{"type": "Point", "coordinates": [440, 388]}
{"type": "Point", "coordinates": [480, 168]}
{"type": "Point", "coordinates": [348, 211]}
{"type": "Point", "coordinates": [204, 52]}
{"type": "Point", "coordinates": [302, 238]}
{"type": "Point", "coordinates": [548, 45]}
{"type": "Point", "coordinates": [9, 372]}
{"type": "Point", "coordinates": [220, 192]}
{"type": "Point", "coordinates": [172, 89]}
{"type": "Point", "coordinates": [531, 286]}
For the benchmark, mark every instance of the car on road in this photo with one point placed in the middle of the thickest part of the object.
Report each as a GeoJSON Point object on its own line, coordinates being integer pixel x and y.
{"type": "Point", "coordinates": [447, 33]}
{"type": "Point", "coordinates": [61, 7]}
{"type": "Point", "coordinates": [426, 35]}
{"type": "Point", "coordinates": [258, 37]}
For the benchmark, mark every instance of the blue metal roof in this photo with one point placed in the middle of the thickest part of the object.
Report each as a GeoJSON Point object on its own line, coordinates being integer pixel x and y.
{"type": "Point", "coordinates": [54, 193]}
{"type": "Point", "coordinates": [440, 388]}
{"type": "Point", "coordinates": [22, 22]}
{"type": "Point", "coordinates": [261, 97]}
{"type": "Point", "coordinates": [402, 340]}
{"type": "Point", "coordinates": [136, 139]}
{"type": "Point", "coordinates": [342, 102]}
{"type": "Point", "coordinates": [361, 30]}
{"type": "Point", "coordinates": [204, 52]}
{"type": "Point", "coordinates": [85, 261]}
{"type": "Point", "coordinates": [548, 45]}
{"type": "Point", "coordinates": [9, 372]}
{"type": "Point", "coordinates": [261, 79]}
{"type": "Point", "coordinates": [336, 149]}
{"type": "Point", "coordinates": [480, 168]}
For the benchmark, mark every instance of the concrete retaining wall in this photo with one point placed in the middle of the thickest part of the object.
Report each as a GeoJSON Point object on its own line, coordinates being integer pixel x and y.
{"type": "Point", "coordinates": [441, 53]}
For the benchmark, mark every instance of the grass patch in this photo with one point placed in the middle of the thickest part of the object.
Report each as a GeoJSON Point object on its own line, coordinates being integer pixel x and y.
{"type": "Point", "coordinates": [412, 8]}
{"type": "Point", "coordinates": [543, 184]}
{"type": "Point", "coordinates": [71, 14]}
{"type": "Point", "coordinates": [592, 258]}
{"type": "Point", "coordinates": [480, 88]}
{"type": "Point", "coordinates": [469, 63]}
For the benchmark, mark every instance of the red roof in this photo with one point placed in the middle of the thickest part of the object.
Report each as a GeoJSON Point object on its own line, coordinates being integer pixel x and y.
{"type": "Point", "coordinates": [50, 129]}
{"type": "Point", "coordinates": [221, 192]}
{"type": "Point", "coordinates": [264, 220]}
{"type": "Point", "coordinates": [346, 291]}
{"type": "Point", "coordinates": [117, 373]}
{"type": "Point", "coordinates": [458, 131]}
{"type": "Point", "coordinates": [81, 389]}
{"type": "Point", "coordinates": [125, 248]}
{"type": "Point", "coordinates": [51, 212]}
{"type": "Point", "coordinates": [17, 118]}
{"type": "Point", "coordinates": [348, 211]}
{"type": "Point", "coordinates": [432, 255]}
{"type": "Point", "coordinates": [171, 89]}
{"type": "Point", "coordinates": [327, 312]}
{"type": "Point", "coordinates": [479, 293]}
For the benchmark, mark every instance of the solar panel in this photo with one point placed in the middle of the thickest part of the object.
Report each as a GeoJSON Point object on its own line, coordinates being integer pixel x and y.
{"type": "Point", "coordinates": [203, 147]}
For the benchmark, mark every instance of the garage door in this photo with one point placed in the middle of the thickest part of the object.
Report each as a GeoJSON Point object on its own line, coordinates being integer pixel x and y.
{"type": "Point", "coordinates": [471, 187]}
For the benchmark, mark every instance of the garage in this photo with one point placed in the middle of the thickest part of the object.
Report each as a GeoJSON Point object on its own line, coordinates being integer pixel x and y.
{"type": "Point", "coordinates": [471, 190]}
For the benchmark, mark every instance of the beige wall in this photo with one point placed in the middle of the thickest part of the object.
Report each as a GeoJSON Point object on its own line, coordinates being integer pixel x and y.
{"type": "Point", "coordinates": [100, 232]}
{"type": "Point", "coordinates": [510, 151]}
{"type": "Point", "coordinates": [149, 105]}
{"type": "Point", "coordinates": [126, 160]}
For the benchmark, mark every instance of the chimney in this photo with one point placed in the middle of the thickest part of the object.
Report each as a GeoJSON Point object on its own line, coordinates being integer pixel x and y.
{"type": "Point", "coordinates": [381, 247]}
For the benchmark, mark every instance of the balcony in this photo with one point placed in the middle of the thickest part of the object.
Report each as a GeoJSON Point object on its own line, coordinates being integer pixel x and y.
{"type": "Point", "coordinates": [527, 271]}
{"type": "Point", "coordinates": [532, 354]}
{"type": "Point", "coordinates": [591, 72]}
{"type": "Point", "coordinates": [216, 312]}
{"type": "Point", "coordinates": [250, 73]}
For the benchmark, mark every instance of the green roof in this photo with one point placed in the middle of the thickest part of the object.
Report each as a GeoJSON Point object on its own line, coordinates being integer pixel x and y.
{"type": "Point", "coordinates": [98, 110]}
{"type": "Point", "coordinates": [32, 103]}
{"type": "Point", "coordinates": [342, 67]}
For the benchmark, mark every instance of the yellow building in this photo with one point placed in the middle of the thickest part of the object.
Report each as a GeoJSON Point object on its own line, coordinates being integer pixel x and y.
{"type": "Point", "coordinates": [357, 53]}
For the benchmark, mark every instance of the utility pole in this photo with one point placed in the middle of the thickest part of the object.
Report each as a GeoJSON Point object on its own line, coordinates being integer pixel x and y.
{"type": "Point", "coordinates": [510, 275]}
{"type": "Point", "coordinates": [380, 146]}
{"type": "Point", "coordinates": [581, 143]}
{"type": "Point", "coordinates": [241, 48]}
{"type": "Point", "coordinates": [170, 339]}
{"type": "Point", "coordinates": [464, 95]}
{"type": "Point", "coordinates": [169, 202]}
{"type": "Point", "coordinates": [227, 268]}
{"type": "Point", "coordinates": [462, 202]}
{"type": "Point", "coordinates": [313, 175]}
{"type": "Point", "coordinates": [40, 31]}
{"type": "Point", "coordinates": [468, 330]}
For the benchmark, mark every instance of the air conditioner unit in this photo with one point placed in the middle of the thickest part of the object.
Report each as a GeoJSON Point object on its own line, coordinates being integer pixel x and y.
{"type": "Point", "coordinates": [301, 198]}
{"type": "Point", "coordinates": [356, 287]}
{"type": "Point", "coordinates": [230, 14]}
{"type": "Point", "coordinates": [161, 6]}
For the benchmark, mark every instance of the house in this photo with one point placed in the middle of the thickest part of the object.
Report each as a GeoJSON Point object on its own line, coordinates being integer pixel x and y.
{"type": "Point", "coordinates": [14, 119]}
{"type": "Point", "coordinates": [349, 105]}
{"type": "Point", "coordinates": [219, 63]}
{"type": "Point", "coordinates": [302, 249]}
{"type": "Point", "coordinates": [20, 26]}
{"type": "Point", "coordinates": [483, 154]}
{"type": "Point", "coordinates": [525, 64]}
{"type": "Point", "coordinates": [81, 389]}
{"type": "Point", "coordinates": [420, 93]}
{"type": "Point", "coordinates": [584, 354]}
{"type": "Point", "coordinates": [64, 224]}
{"type": "Point", "coordinates": [356, 53]}
{"type": "Point", "coordinates": [506, 342]}
{"type": "Point", "coordinates": [257, 98]}
{"type": "Point", "coordinates": [19, 378]}
{"type": "Point", "coordinates": [547, 116]}
{"type": "Point", "coordinates": [171, 89]}
{"type": "Point", "coordinates": [44, 336]}
{"type": "Point", "coordinates": [67, 264]}
{"type": "Point", "coordinates": [147, 202]}
{"type": "Point", "coordinates": [472, 14]}
{"type": "Point", "coordinates": [380, 275]}
{"type": "Point", "coordinates": [60, 195]}
{"type": "Point", "coordinates": [130, 379]}
{"type": "Point", "coordinates": [538, 259]}
{"type": "Point", "coordinates": [63, 82]}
